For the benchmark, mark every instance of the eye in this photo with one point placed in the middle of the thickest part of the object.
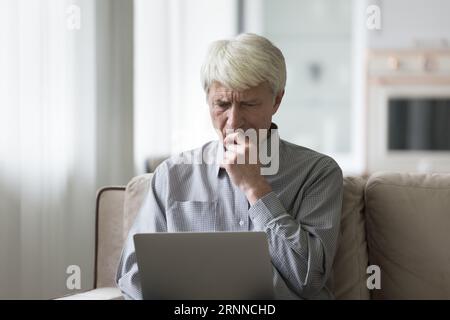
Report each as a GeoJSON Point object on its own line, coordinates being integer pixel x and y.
{"type": "Point", "coordinates": [222, 104]}
{"type": "Point", "coordinates": [248, 104]}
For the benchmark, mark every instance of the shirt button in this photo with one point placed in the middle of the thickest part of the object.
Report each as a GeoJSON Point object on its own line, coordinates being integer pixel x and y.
{"type": "Point", "coordinates": [241, 223]}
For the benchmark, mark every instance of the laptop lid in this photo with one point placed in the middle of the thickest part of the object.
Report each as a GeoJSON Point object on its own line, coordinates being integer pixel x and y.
{"type": "Point", "coordinates": [211, 265]}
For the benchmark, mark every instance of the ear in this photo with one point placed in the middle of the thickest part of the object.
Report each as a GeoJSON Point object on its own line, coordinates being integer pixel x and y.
{"type": "Point", "coordinates": [277, 102]}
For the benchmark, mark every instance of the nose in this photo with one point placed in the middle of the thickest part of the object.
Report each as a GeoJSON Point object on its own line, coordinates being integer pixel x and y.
{"type": "Point", "coordinates": [235, 119]}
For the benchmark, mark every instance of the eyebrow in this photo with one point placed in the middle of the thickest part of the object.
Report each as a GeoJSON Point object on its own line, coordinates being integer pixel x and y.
{"type": "Point", "coordinates": [221, 100]}
{"type": "Point", "coordinates": [225, 100]}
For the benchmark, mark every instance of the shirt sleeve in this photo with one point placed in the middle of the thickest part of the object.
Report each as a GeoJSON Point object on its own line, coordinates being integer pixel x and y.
{"type": "Point", "coordinates": [303, 243]}
{"type": "Point", "coordinates": [150, 218]}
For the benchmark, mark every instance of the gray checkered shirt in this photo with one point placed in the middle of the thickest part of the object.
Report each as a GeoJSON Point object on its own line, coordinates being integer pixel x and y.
{"type": "Point", "coordinates": [300, 216]}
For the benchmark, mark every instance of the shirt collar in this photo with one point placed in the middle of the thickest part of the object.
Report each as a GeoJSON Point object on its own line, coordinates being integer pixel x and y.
{"type": "Point", "coordinates": [273, 132]}
{"type": "Point", "coordinates": [219, 157]}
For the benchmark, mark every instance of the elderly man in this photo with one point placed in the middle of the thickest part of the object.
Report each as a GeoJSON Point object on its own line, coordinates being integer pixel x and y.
{"type": "Point", "coordinates": [297, 204]}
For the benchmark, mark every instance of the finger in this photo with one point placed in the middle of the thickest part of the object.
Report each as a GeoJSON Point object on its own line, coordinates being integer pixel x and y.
{"type": "Point", "coordinates": [237, 137]}
{"type": "Point", "coordinates": [230, 138]}
{"type": "Point", "coordinates": [235, 148]}
{"type": "Point", "coordinates": [241, 137]}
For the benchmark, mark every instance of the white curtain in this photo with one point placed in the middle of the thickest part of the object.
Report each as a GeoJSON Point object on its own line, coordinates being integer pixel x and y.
{"type": "Point", "coordinates": [61, 136]}
{"type": "Point", "coordinates": [171, 39]}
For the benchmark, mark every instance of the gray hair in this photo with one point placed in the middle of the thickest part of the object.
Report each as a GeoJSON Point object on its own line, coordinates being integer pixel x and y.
{"type": "Point", "coordinates": [244, 62]}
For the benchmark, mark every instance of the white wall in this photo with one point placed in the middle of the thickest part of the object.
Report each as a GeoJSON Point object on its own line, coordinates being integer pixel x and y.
{"type": "Point", "coordinates": [405, 21]}
{"type": "Point", "coordinates": [171, 41]}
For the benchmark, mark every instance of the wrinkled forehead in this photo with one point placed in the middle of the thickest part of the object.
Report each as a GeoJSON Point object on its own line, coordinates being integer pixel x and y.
{"type": "Point", "coordinates": [220, 92]}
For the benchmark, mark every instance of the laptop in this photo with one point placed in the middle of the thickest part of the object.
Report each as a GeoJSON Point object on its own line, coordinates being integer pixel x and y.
{"type": "Point", "coordinates": [204, 265]}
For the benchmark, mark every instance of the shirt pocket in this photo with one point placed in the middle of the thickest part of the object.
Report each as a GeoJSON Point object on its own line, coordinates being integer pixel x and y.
{"type": "Point", "coordinates": [192, 216]}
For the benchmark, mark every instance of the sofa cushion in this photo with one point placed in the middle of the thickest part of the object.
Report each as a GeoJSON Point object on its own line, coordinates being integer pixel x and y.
{"type": "Point", "coordinates": [116, 210]}
{"type": "Point", "coordinates": [109, 234]}
{"type": "Point", "coordinates": [135, 193]}
{"type": "Point", "coordinates": [408, 232]}
{"type": "Point", "coordinates": [350, 263]}
{"type": "Point", "coordinates": [107, 293]}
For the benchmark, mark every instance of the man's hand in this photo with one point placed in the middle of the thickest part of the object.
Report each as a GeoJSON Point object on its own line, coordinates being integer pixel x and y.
{"type": "Point", "coordinates": [245, 174]}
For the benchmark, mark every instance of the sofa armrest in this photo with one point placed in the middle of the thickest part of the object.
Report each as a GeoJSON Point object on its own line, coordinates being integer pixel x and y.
{"type": "Point", "coordinates": [109, 293]}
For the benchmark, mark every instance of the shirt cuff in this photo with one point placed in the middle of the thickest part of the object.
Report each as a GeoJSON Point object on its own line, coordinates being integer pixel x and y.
{"type": "Point", "coordinates": [267, 209]}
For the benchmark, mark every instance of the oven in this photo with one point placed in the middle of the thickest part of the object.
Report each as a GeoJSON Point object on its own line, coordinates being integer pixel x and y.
{"type": "Point", "coordinates": [408, 111]}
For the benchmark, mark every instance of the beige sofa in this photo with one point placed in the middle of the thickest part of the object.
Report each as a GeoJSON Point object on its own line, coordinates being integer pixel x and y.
{"type": "Point", "coordinates": [399, 222]}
